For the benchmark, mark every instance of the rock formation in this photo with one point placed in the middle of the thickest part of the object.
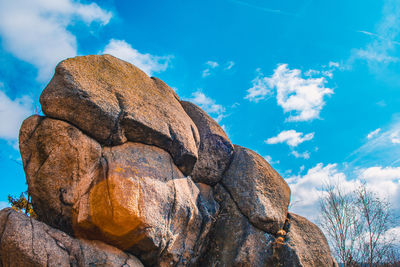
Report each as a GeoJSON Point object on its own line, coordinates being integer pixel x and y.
{"type": "Point", "coordinates": [121, 172]}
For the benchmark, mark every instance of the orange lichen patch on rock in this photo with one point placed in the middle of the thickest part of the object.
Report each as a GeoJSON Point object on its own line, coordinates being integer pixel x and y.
{"type": "Point", "coordinates": [119, 169]}
{"type": "Point", "coordinates": [115, 205]}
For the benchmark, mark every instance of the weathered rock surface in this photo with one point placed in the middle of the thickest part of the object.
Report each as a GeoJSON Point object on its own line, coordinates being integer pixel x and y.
{"type": "Point", "coordinates": [305, 245]}
{"type": "Point", "coordinates": [60, 163]}
{"type": "Point", "coordinates": [113, 101]}
{"type": "Point", "coordinates": [234, 241]}
{"type": "Point", "coordinates": [215, 151]}
{"type": "Point", "coordinates": [131, 196]}
{"type": "Point", "coordinates": [27, 242]}
{"type": "Point", "coordinates": [144, 205]}
{"type": "Point", "coordinates": [112, 161]}
{"type": "Point", "coordinates": [259, 191]}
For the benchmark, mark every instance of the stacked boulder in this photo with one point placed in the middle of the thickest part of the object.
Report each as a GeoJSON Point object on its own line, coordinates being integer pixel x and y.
{"type": "Point", "coordinates": [123, 173]}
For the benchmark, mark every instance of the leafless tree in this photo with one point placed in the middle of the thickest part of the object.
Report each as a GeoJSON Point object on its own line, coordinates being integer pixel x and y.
{"type": "Point", "coordinates": [377, 219]}
{"type": "Point", "coordinates": [341, 224]}
{"type": "Point", "coordinates": [355, 224]}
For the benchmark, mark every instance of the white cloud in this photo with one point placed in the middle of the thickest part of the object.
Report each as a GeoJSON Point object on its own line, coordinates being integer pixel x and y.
{"type": "Point", "coordinates": [36, 31]}
{"type": "Point", "coordinates": [229, 65]}
{"type": "Point", "coordinates": [210, 65]}
{"type": "Point", "coordinates": [291, 137]}
{"type": "Point", "coordinates": [373, 133]}
{"type": "Point", "coordinates": [3, 205]}
{"type": "Point", "coordinates": [12, 113]}
{"type": "Point", "coordinates": [334, 64]}
{"type": "Point", "coordinates": [305, 97]}
{"type": "Point", "coordinates": [394, 137]}
{"type": "Point", "coordinates": [384, 180]}
{"type": "Point", "coordinates": [260, 89]}
{"type": "Point", "coordinates": [208, 105]}
{"type": "Point", "coordinates": [372, 173]}
{"type": "Point", "coordinates": [268, 158]}
{"type": "Point", "coordinates": [206, 73]}
{"type": "Point", "coordinates": [146, 62]}
{"type": "Point", "coordinates": [380, 149]}
{"type": "Point", "coordinates": [302, 98]}
{"type": "Point", "coordinates": [383, 44]}
{"type": "Point", "coordinates": [307, 189]}
{"type": "Point", "coordinates": [304, 155]}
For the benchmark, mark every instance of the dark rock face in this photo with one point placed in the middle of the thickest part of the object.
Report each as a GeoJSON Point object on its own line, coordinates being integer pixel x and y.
{"type": "Point", "coordinates": [215, 151]}
{"type": "Point", "coordinates": [259, 191]}
{"type": "Point", "coordinates": [112, 161]}
{"type": "Point", "coordinates": [234, 241]}
{"type": "Point", "coordinates": [27, 242]}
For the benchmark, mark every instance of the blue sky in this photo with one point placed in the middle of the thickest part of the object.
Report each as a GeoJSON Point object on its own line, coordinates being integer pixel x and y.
{"type": "Point", "coordinates": [313, 86]}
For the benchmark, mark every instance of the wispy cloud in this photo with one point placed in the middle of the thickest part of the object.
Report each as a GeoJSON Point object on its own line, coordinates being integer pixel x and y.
{"type": "Point", "coordinates": [302, 97]}
{"type": "Point", "coordinates": [146, 62]}
{"type": "Point", "coordinates": [209, 105]}
{"type": "Point", "coordinates": [212, 65]}
{"type": "Point", "coordinates": [304, 155]}
{"type": "Point", "coordinates": [37, 31]}
{"type": "Point", "coordinates": [381, 148]}
{"type": "Point", "coordinates": [261, 89]}
{"type": "Point", "coordinates": [268, 158]}
{"type": "Point", "coordinates": [373, 133]}
{"type": "Point", "coordinates": [308, 188]}
{"type": "Point", "coordinates": [12, 113]}
{"type": "Point", "coordinates": [290, 137]}
{"type": "Point", "coordinates": [379, 37]}
{"type": "Point", "coordinates": [3, 205]}
{"type": "Point", "coordinates": [381, 50]}
{"type": "Point", "coordinates": [229, 65]}
{"type": "Point", "coordinates": [262, 8]}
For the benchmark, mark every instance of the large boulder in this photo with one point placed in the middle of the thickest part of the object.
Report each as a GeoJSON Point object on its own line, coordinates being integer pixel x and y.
{"type": "Point", "coordinates": [120, 159]}
{"type": "Point", "coordinates": [305, 245]}
{"type": "Point", "coordinates": [113, 101]}
{"type": "Point", "coordinates": [60, 163]}
{"type": "Point", "coordinates": [29, 243]}
{"type": "Point", "coordinates": [258, 190]}
{"type": "Point", "coordinates": [215, 151]}
{"type": "Point", "coordinates": [234, 241]}
{"type": "Point", "coordinates": [145, 205]}
{"type": "Point", "coordinates": [131, 196]}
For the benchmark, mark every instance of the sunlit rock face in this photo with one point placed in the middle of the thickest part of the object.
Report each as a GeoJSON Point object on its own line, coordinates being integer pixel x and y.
{"type": "Point", "coordinates": [120, 159]}
{"type": "Point", "coordinates": [114, 101]}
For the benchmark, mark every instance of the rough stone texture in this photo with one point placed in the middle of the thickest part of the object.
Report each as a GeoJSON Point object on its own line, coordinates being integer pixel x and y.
{"type": "Point", "coordinates": [234, 241]}
{"type": "Point", "coordinates": [109, 163]}
{"type": "Point", "coordinates": [142, 203]}
{"type": "Point", "coordinates": [59, 163]}
{"type": "Point", "coordinates": [113, 101]}
{"type": "Point", "coordinates": [305, 245]}
{"type": "Point", "coordinates": [131, 196]}
{"type": "Point", "coordinates": [259, 191]}
{"type": "Point", "coordinates": [29, 243]}
{"type": "Point", "coordinates": [215, 151]}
